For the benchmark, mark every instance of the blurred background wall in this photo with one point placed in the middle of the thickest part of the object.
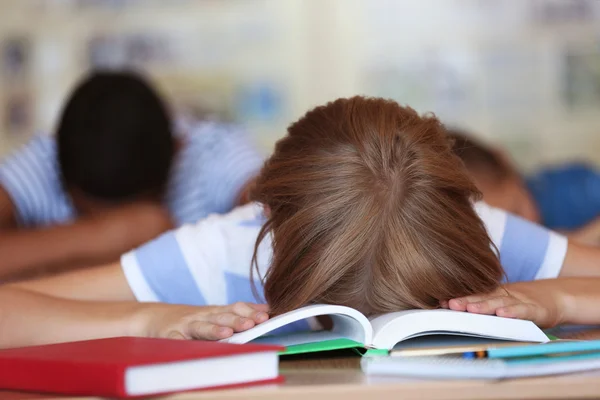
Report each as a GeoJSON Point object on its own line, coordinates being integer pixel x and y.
{"type": "Point", "coordinates": [521, 73]}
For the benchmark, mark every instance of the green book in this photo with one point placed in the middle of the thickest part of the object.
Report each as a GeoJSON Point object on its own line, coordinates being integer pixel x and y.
{"type": "Point", "coordinates": [351, 329]}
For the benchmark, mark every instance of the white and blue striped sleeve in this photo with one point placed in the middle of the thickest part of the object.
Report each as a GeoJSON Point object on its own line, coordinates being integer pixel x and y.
{"type": "Point", "coordinates": [527, 251]}
{"type": "Point", "coordinates": [161, 270]}
{"type": "Point", "coordinates": [207, 263]}
{"type": "Point", "coordinates": [30, 177]}
{"type": "Point", "coordinates": [234, 161]}
{"type": "Point", "coordinates": [215, 165]}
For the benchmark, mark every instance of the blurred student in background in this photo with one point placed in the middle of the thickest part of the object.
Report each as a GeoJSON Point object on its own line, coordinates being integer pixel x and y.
{"type": "Point", "coordinates": [114, 176]}
{"type": "Point", "coordinates": [564, 198]}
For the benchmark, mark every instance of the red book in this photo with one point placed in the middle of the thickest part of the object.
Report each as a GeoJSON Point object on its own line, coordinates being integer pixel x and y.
{"type": "Point", "coordinates": [131, 367]}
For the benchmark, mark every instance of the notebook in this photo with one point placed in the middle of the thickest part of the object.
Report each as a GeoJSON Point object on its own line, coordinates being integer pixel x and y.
{"type": "Point", "coordinates": [132, 367]}
{"type": "Point", "coordinates": [460, 368]}
{"type": "Point", "coordinates": [559, 348]}
{"type": "Point", "coordinates": [353, 329]}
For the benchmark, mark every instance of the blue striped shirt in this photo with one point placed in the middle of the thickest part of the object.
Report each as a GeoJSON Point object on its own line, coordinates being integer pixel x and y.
{"type": "Point", "coordinates": [209, 262]}
{"type": "Point", "coordinates": [214, 164]}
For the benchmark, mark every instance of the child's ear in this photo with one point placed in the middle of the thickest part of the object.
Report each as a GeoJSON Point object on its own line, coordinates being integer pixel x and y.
{"type": "Point", "coordinates": [266, 210]}
{"type": "Point", "coordinates": [506, 160]}
{"type": "Point", "coordinates": [245, 195]}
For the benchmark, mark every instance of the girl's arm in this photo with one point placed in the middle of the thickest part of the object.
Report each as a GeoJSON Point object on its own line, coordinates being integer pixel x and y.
{"type": "Point", "coordinates": [581, 260]}
{"type": "Point", "coordinates": [104, 283]}
{"type": "Point", "coordinates": [28, 318]}
{"type": "Point", "coordinates": [546, 302]}
{"type": "Point", "coordinates": [588, 234]}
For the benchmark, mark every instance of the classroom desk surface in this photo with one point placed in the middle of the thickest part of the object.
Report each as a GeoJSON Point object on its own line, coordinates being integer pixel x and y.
{"type": "Point", "coordinates": [341, 378]}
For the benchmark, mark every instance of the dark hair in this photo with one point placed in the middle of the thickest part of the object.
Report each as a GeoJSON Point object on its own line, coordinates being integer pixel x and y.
{"type": "Point", "coordinates": [369, 208]}
{"type": "Point", "coordinates": [115, 139]}
{"type": "Point", "coordinates": [478, 157]}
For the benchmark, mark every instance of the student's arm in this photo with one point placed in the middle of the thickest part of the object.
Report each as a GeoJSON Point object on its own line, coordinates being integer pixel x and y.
{"type": "Point", "coordinates": [546, 302]}
{"type": "Point", "coordinates": [28, 318]}
{"type": "Point", "coordinates": [87, 241]}
{"type": "Point", "coordinates": [581, 260]}
{"type": "Point", "coordinates": [103, 283]}
{"type": "Point", "coordinates": [7, 211]}
{"type": "Point", "coordinates": [588, 234]}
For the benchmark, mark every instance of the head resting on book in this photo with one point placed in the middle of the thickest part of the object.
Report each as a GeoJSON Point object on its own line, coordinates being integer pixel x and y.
{"type": "Point", "coordinates": [369, 208]}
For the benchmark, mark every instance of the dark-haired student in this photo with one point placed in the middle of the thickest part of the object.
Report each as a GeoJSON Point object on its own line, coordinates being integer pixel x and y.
{"type": "Point", "coordinates": [115, 175]}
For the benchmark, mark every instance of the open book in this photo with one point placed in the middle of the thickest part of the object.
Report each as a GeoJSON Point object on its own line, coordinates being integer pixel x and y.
{"type": "Point", "coordinates": [353, 329]}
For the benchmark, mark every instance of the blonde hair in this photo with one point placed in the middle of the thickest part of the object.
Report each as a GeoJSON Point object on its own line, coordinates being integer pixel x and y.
{"type": "Point", "coordinates": [369, 208]}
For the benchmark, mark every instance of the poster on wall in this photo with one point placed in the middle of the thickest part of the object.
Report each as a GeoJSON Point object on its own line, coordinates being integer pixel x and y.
{"type": "Point", "coordinates": [140, 50]}
{"type": "Point", "coordinates": [439, 81]}
{"type": "Point", "coordinates": [512, 78]}
{"type": "Point", "coordinates": [554, 12]}
{"type": "Point", "coordinates": [15, 74]}
{"type": "Point", "coordinates": [119, 5]}
{"type": "Point", "coordinates": [15, 58]}
{"type": "Point", "coordinates": [17, 114]}
{"type": "Point", "coordinates": [259, 100]}
{"type": "Point", "coordinates": [402, 82]}
{"type": "Point", "coordinates": [581, 78]}
{"type": "Point", "coordinates": [199, 95]}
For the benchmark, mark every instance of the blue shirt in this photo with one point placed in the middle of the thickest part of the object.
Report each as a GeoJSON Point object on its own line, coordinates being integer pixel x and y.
{"type": "Point", "coordinates": [568, 197]}
{"type": "Point", "coordinates": [214, 164]}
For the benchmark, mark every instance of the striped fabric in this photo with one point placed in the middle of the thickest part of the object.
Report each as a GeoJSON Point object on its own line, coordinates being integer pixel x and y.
{"type": "Point", "coordinates": [30, 176]}
{"type": "Point", "coordinates": [209, 262]}
{"type": "Point", "coordinates": [209, 172]}
{"type": "Point", "coordinates": [527, 251]}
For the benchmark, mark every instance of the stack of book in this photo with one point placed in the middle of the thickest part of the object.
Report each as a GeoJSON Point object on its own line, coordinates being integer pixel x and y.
{"type": "Point", "coordinates": [491, 361]}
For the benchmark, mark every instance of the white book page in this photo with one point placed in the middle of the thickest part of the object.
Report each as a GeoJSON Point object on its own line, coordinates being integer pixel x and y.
{"type": "Point", "coordinates": [347, 322]}
{"type": "Point", "coordinates": [392, 328]}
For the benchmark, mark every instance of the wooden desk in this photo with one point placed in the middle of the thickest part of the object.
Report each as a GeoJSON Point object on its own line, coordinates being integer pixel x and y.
{"type": "Point", "coordinates": [352, 385]}
{"type": "Point", "coordinates": [341, 379]}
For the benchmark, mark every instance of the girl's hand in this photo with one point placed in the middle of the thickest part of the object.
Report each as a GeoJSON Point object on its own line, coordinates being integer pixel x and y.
{"type": "Point", "coordinates": [205, 323]}
{"type": "Point", "coordinates": [543, 302]}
